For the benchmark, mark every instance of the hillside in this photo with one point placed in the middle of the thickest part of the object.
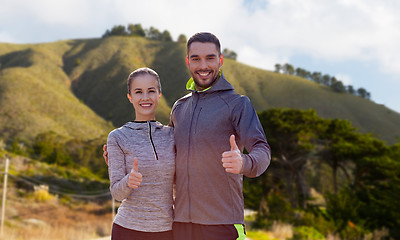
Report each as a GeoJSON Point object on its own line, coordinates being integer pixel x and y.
{"type": "Point", "coordinates": [75, 205]}
{"type": "Point", "coordinates": [35, 95]}
{"type": "Point", "coordinates": [268, 89]}
{"type": "Point", "coordinates": [74, 87]}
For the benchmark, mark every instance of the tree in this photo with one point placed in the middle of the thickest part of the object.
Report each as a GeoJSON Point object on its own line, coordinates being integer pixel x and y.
{"type": "Point", "coordinates": [370, 197]}
{"type": "Point", "coordinates": [182, 38]}
{"type": "Point", "coordinates": [278, 68]}
{"type": "Point", "coordinates": [316, 77]}
{"type": "Point", "coordinates": [153, 34]}
{"type": "Point", "coordinates": [288, 69]}
{"type": "Point", "coordinates": [166, 36]}
{"type": "Point", "coordinates": [377, 184]}
{"type": "Point", "coordinates": [229, 54]}
{"type": "Point", "coordinates": [339, 148]}
{"type": "Point", "coordinates": [326, 79]}
{"type": "Point", "coordinates": [350, 89]}
{"type": "Point", "coordinates": [362, 92]}
{"type": "Point", "coordinates": [106, 34]}
{"type": "Point", "coordinates": [301, 72]}
{"type": "Point", "coordinates": [338, 87]}
{"type": "Point", "coordinates": [118, 30]}
{"type": "Point", "coordinates": [136, 30]}
{"type": "Point", "coordinates": [292, 135]}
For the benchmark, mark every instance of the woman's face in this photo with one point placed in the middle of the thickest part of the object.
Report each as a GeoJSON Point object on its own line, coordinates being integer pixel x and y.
{"type": "Point", "coordinates": [144, 96]}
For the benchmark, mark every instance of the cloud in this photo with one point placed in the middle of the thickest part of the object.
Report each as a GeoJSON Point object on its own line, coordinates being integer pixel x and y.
{"type": "Point", "coordinates": [330, 30]}
{"type": "Point", "coordinates": [327, 30]}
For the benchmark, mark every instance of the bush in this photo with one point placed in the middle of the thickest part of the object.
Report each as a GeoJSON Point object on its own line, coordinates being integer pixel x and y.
{"type": "Point", "coordinates": [352, 231]}
{"type": "Point", "coordinates": [41, 194]}
{"type": "Point", "coordinates": [307, 233]}
{"type": "Point", "coordinates": [317, 220]}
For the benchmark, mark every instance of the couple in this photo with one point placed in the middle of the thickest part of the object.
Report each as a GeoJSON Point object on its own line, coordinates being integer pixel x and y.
{"type": "Point", "coordinates": [201, 152]}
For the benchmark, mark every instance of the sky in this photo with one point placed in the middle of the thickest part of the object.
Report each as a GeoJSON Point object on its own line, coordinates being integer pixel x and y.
{"type": "Point", "coordinates": [357, 41]}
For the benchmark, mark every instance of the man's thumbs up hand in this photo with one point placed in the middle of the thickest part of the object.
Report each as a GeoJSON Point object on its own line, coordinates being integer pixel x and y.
{"type": "Point", "coordinates": [135, 177]}
{"type": "Point", "coordinates": [232, 160]}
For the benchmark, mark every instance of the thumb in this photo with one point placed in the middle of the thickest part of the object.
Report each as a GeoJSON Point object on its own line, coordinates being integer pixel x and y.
{"type": "Point", "coordinates": [233, 143]}
{"type": "Point", "coordinates": [135, 165]}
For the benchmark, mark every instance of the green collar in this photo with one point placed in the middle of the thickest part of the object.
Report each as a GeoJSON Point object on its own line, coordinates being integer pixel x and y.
{"type": "Point", "coordinates": [190, 85]}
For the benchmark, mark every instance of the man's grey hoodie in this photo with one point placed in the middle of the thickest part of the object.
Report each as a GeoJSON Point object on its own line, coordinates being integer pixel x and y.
{"type": "Point", "coordinates": [203, 122]}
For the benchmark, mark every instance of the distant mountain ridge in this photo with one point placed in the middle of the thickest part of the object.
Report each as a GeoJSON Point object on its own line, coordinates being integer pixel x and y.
{"type": "Point", "coordinates": [77, 88]}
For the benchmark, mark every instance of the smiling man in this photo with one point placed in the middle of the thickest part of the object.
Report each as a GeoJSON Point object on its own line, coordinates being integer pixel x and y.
{"type": "Point", "coordinates": [213, 125]}
{"type": "Point", "coordinates": [204, 61]}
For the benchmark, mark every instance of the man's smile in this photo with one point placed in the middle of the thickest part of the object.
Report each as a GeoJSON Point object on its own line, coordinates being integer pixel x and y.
{"type": "Point", "coordinates": [204, 74]}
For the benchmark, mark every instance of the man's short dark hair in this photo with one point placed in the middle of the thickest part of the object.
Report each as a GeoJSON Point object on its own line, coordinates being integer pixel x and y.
{"type": "Point", "coordinates": [204, 37]}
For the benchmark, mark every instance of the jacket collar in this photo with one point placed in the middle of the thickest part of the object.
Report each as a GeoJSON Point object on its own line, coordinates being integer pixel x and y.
{"type": "Point", "coordinates": [143, 125]}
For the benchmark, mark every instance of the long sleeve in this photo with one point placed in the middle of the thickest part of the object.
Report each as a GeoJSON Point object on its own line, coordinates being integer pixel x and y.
{"type": "Point", "coordinates": [117, 170]}
{"type": "Point", "coordinates": [252, 137]}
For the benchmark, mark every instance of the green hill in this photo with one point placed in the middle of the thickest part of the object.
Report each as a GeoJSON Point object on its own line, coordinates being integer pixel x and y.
{"type": "Point", "coordinates": [35, 95]}
{"type": "Point", "coordinates": [74, 87]}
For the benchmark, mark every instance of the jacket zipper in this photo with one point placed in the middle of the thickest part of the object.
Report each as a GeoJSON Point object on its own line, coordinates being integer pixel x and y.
{"type": "Point", "coordinates": [151, 140]}
{"type": "Point", "coordinates": [190, 136]}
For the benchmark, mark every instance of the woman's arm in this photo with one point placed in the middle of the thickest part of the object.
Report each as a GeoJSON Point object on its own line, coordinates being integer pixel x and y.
{"type": "Point", "coordinates": [119, 177]}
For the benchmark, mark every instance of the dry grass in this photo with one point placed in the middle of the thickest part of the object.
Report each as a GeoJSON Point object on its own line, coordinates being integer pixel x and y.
{"type": "Point", "coordinates": [30, 219]}
{"type": "Point", "coordinates": [282, 231]}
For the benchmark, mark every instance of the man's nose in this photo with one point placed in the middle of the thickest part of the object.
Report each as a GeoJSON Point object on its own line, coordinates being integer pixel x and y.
{"type": "Point", "coordinates": [203, 64]}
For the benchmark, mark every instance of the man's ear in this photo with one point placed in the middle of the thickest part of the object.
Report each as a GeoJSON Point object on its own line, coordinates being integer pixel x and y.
{"type": "Point", "coordinates": [187, 61]}
{"type": "Point", "coordinates": [221, 60]}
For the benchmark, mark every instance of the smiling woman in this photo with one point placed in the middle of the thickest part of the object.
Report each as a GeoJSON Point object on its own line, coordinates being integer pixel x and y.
{"type": "Point", "coordinates": [141, 165]}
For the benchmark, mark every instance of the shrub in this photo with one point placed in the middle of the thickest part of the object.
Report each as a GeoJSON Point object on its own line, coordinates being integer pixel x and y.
{"type": "Point", "coordinates": [307, 233]}
{"type": "Point", "coordinates": [41, 194]}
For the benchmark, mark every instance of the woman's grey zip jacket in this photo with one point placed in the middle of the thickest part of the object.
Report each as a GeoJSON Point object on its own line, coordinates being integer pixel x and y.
{"type": "Point", "coordinates": [150, 207]}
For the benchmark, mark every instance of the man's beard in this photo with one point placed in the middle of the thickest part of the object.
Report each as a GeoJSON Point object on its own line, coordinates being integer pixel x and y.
{"type": "Point", "coordinates": [205, 86]}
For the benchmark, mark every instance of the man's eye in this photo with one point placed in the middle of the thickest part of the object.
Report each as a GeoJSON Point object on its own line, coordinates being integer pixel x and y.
{"type": "Point", "coordinates": [138, 92]}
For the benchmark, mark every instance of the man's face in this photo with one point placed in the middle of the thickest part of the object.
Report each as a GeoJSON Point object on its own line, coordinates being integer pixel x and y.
{"type": "Point", "coordinates": [204, 62]}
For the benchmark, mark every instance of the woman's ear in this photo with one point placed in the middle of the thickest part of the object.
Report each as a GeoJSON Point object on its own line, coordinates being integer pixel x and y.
{"type": "Point", "coordinates": [129, 97]}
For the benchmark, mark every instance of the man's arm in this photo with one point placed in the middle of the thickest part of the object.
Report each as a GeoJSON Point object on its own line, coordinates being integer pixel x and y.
{"type": "Point", "coordinates": [251, 135]}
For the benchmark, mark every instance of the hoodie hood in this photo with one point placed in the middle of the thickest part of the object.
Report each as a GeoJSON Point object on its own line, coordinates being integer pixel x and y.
{"type": "Point", "coordinates": [220, 85]}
